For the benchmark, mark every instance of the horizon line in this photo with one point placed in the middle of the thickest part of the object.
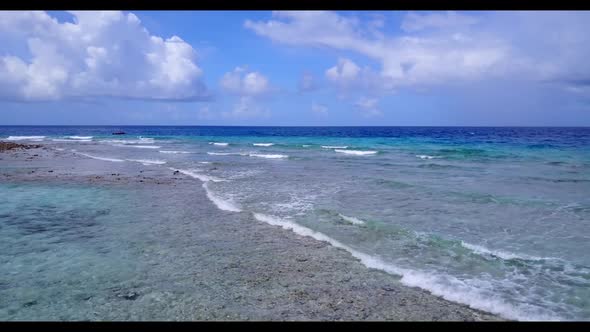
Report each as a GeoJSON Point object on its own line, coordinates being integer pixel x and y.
{"type": "Point", "coordinates": [302, 126]}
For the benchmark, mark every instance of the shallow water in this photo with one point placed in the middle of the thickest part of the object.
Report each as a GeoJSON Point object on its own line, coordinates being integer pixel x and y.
{"type": "Point", "coordinates": [497, 218]}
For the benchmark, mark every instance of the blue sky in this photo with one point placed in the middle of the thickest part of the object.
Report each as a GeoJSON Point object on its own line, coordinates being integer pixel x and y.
{"type": "Point", "coordinates": [295, 68]}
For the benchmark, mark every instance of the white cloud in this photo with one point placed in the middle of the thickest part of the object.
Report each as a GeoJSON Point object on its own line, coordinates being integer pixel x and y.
{"type": "Point", "coordinates": [368, 106]}
{"type": "Point", "coordinates": [245, 83]}
{"type": "Point", "coordinates": [344, 72]}
{"type": "Point", "coordinates": [312, 28]}
{"type": "Point", "coordinates": [319, 108]}
{"type": "Point", "coordinates": [250, 86]}
{"type": "Point", "coordinates": [247, 108]}
{"type": "Point", "coordinates": [450, 19]}
{"type": "Point", "coordinates": [450, 48]}
{"type": "Point", "coordinates": [347, 76]}
{"type": "Point", "coordinates": [99, 54]}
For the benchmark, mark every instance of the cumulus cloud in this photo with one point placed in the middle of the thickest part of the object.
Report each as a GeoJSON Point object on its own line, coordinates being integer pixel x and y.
{"type": "Point", "coordinates": [250, 86]}
{"type": "Point", "coordinates": [99, 54]}
{"type": "Point", "coordinates": [368, 106]}
{"type": "Point", "coordinates": [347, 76]}
{"type": "Point", "coordinates": [441, 48]}
{"type": "Point", "coordinates": [242, 82]}
{"type": "Point", "coordinates": [345, 71]}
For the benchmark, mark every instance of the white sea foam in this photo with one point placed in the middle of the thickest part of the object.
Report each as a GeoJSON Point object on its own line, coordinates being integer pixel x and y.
{"type": "Point", "coordinates": [334, 147]}
{"type": "Point", "coordinates": [269, 156]}
{"type": "Point", "coordinates": [219, 143]}
{"type": "Point", "coordinates": [174, 152]}
{"type": "Point", "coordinates": [445, 286]}
{"type": "Point", "coordinates": [221, 203]}
{"type": "Point", "coordinates": [100, 158]}
{"type": "Point", "coordinates": [148, 162]}
{"type": "Point", "coordinates": [204, 162]}
{"type": "Point", "coordinates": [352, 220]}
{"type": "Point", "coordinates": [306, 145]}
{"type": "Point", "coordinates": [138, 146]}
{"type": "Point", "coordinates": [226, 154]}
{"type": "Point", "coordinates": [356, 152]}
{"type": "Point", "coordinates": [480, 250]}
{"type": "Point", "coordinates": [195, 174]}
{"type": "Point", "coordinates": [74, 139]}
{"type": "Point", "coordinates": [59, 149]}
{"type": "Point", "coordinates": [25, 138]}
{"type": "Point", "coordinates": [263, 144]}
{"type": "Point", "coordinates": [424, 156]}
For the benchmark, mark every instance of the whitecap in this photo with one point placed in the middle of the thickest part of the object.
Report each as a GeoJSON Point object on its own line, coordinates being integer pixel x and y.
{"type": "Point", "coordinates": [425, 156]}
{"type": "Point", "coordinates": [269, 156]}
{"type": "Point", "coordinates": [81, 137]}
{"type": "Point", "coordinates": [25, 138]}
{"type": "Point", "coordinates": [219, 143]}
{"type": "Point", "coordinates": [222, 204]}
{"type": "Point", "coordinates": [226, 154]}
{"type": "Point", "coordinates": [71, 140]}
{"type": "Point", "coordinates": [356, 152]}
{"type": "Point", "coordinates": [174, 152]}
{"type": "Point", "coordinates": [334, 147]}
{"type": "Point", "coordinates": [148, 162]}
{"type": "Point", "coordinates": [263, 144]}
{"type": "Point", "coordinates": [138, 146]}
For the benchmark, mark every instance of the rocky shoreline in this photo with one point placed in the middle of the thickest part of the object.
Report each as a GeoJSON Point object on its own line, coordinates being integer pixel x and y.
{"type": "Point", "coordinates": [233, 269]}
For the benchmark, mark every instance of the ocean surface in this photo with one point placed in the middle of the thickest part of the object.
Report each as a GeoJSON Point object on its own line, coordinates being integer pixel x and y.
{"type": "Point", "coordinates": [496, 218]}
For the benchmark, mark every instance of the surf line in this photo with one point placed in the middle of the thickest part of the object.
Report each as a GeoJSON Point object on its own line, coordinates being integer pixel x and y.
{"type": "Point", "coordinates": [410, 278]}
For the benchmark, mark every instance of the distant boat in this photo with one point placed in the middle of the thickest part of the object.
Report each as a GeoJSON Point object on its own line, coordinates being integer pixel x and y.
{"type": "Point", "coordinates": [119, 133]}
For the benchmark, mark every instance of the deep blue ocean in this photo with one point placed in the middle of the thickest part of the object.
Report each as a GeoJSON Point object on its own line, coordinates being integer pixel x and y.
{"type": "Point", "coordinates": [497, 218]}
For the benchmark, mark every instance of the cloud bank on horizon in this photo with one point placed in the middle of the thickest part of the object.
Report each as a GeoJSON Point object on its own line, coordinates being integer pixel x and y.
{"type": "Point", "coordinates": [299, 67]}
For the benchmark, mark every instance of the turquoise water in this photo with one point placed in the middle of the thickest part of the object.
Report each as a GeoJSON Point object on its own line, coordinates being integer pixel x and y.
{"type": "Point", "coordinates": [497, 218]}
{"type": "Point", "coordinates": [53, 253]}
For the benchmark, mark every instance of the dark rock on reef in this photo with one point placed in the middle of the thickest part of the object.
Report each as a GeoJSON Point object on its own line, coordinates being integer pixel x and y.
{"type": "Point", "coordinates": [128, 296]}
{"type": "Point", "coordinates": [6, 146]}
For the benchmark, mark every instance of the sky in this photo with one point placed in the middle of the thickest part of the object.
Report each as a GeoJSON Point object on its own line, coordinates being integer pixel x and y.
{"type": "Point", "coordinates": [295, 68]}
